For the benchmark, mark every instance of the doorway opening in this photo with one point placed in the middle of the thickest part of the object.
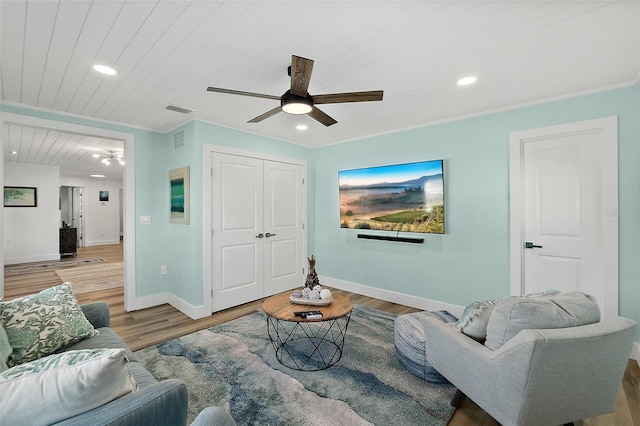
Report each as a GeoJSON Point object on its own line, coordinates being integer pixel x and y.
{"type": "Point", "coordinates": [72, 211]}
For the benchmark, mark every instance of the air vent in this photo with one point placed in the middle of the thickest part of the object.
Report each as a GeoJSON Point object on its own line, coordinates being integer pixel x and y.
{"type": "Point", "coordinates": [179, 109]}
{"type": "Point", "coordinates": [178, 139]}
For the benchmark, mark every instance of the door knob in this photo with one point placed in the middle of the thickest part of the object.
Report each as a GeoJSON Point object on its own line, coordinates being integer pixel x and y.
{"type": "Point", "coordinates": [260, 235]}
{"type": "Point", "coordinates": [529, 244]}
{"type": "Point", "coordinates": [270, 235]}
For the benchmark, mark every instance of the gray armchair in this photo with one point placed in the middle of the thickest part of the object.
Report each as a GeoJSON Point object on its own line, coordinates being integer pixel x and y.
{"type": "Point", "coordinates": [540, 376]}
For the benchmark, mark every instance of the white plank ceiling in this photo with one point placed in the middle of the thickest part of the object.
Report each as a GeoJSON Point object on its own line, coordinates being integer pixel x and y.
{"type": "Point", "coordinates": [168, 52]}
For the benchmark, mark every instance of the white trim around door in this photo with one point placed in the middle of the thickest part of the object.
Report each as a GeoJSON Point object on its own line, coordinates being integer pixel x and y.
{"type": "Point", "coordinates": [607, 131]}
{"type": "Point", "coordinates": [130, 301]}
{"type": "Point", "coordinates": [207, 151]}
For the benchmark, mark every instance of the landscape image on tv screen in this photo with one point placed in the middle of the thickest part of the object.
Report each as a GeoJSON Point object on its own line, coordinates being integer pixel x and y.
{"type": "Point", "coordinates": [400, 198]}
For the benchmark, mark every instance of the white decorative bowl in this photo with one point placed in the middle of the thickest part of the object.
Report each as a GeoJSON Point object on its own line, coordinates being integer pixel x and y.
{"type": "Point", "coordinates": [312, 302]}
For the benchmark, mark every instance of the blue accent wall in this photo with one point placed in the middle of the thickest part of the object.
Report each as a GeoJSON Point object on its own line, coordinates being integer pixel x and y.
{"type": "Point", "coordinates": [471, 260]}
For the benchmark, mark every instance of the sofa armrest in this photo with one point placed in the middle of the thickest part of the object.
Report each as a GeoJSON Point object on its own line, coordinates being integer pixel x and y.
{"type": "Point", "coordinates": [97, 313]}
{"type": "Point", "coordinates": [161, 404]}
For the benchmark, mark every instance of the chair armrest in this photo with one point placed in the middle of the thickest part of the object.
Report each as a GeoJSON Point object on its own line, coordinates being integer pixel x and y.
{"type": "Point", "coordinates": [534, 377]}
{"type": "Point", "coordinates": [214, 416]}
{"type": "Point", "coordinates": [161, 404]}
{"type": "Point", "coordinates": [97, 313]}
{"type": "Point", "coordinates": [474, 369]}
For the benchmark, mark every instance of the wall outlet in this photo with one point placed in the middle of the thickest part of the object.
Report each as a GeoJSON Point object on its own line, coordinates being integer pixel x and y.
{"type": "Point", "coordinates": [163, 270]}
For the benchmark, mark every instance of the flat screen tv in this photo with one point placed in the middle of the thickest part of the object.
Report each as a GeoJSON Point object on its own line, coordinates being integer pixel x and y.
{"type": "Point", "coordinates": [401, 198]}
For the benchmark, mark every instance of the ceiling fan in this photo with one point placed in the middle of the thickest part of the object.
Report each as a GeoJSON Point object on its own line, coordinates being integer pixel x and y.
{"type": "Point", "coordinates": [110, 156]}
{"type": "Point", "coordinates": [298, 101]}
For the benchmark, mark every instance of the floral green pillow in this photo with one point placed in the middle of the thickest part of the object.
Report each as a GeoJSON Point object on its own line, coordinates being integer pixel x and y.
{"type": "Point", "coordinates": [39, 324]}
{"type": "Point", "coordinates": [5, 349]}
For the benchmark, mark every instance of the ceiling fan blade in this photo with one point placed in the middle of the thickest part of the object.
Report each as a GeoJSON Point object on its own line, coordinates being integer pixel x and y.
{"type": "Point", "coordinates": [336, 98]}
{"type": "Point", "coordinates": [239, 92]}
{"type": "Point", "coordinates": [321, 117]}
{"type": "Point", "coordinates": [265, 115]}
{"type": "Point", "coordinates": [300, 75]}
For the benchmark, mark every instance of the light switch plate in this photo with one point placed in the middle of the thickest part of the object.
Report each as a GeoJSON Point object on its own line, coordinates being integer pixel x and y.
{"type": "Point", "coordinates": [145, 220]}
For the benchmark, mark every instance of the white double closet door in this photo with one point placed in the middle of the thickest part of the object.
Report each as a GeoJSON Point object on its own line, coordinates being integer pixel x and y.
{"type": "Point", "coordinates": [257, 238]}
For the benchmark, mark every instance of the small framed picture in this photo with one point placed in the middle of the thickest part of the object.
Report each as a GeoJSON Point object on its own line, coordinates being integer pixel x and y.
{"type": "Point", "coordinates": [104, 195]}
{"type": "Point", "coordinates": [179, 192]}
{"type": "Point", "coordinates": [20, 196]}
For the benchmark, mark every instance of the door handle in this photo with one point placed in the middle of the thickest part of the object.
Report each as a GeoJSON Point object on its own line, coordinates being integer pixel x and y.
{"type": "Point", "coordinates": [260, 235]}
{"type": "Point", "coordinates": [270, 235]}
{"type": "Point", "coordinates": [530, 245]}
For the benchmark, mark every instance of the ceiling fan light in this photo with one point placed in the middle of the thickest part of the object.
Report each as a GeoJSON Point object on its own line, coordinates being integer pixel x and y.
{"type": "Point", "coordinates": [296, 105]}
{"type": "Point", "coordinates": [297, 108]}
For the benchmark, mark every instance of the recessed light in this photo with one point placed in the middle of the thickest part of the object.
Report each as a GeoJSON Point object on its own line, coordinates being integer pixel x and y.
{"type": "Point", "coordinates": [467, 81]}
{"type": "Point", "coordinates": [97, 176]}
{"type": "Point", "coordinates": [103, 69]}
{"type": "Point", "coordinates": [14, 152]}
{"type": "Point", "coordinates": [302, 127]}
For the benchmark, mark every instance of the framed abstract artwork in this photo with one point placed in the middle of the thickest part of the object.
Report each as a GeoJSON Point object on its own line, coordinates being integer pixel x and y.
{"type": "Point", "coordinates": [179, 195]}
{"type": "Point", "coordinates": [20, 196]}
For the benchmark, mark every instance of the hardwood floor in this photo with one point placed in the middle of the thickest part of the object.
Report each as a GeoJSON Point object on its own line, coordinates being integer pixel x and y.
{"type": "Point", "coordinates": [154, 325]}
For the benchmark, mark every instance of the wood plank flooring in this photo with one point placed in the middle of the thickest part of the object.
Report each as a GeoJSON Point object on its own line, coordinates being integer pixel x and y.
{"type": "Point", "coordinates": [154, 325]}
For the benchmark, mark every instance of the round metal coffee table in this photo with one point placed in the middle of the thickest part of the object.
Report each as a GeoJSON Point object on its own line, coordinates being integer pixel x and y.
{"type": "Point", "coordinates": [307, 345]}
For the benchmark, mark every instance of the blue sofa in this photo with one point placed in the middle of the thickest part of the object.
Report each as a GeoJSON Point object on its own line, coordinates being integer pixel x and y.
{"type": "Point", "coordinates": [154, 404]}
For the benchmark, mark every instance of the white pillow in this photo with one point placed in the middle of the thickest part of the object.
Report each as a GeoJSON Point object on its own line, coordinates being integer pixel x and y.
{"type": "Point", "coordinates": [40, 324]}
{"type": "Point", "coordinates": [475, 318]}
{"type": "Point", "coordinates": [63, 385]}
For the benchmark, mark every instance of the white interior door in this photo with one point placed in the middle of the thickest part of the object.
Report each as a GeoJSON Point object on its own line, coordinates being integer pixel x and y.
{"type": "Point", "coordinates": [237, 248]}
{"type": "Point", "coordinates": [283, 226]}
{"type": "Point", "coordinates": [561, 214]}
{"type": "Point", "coordinates": [564, 237]}
{"type": "Point", "coordinates": [257, 220]}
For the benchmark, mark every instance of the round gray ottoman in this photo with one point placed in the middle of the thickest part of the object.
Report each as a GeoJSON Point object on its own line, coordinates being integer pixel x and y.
{"type": "Point", "coordinates": [409, 342]}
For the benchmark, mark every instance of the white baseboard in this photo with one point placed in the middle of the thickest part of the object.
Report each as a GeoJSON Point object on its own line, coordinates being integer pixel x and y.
{"type": "Point", "coordinates": [635, 352]}
{"type": "Point", "coordinates": [27, 259]}
{"type": "Point", "coordinates": [193, 312]}
{"type": "Point", "coordinates": [146, 302]}
{"type": "Point", "coordinates": [101, 243]}
{"type": "Point", "coordinates": [392, 296]}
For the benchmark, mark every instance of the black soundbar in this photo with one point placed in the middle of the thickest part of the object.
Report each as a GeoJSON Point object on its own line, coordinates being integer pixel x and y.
{"type": "Point", "coordinates": [387, 238]}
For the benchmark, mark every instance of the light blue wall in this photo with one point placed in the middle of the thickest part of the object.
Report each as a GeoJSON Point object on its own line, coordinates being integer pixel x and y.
{"type": "Point", "coordinates": [185, 243]}
{"type": "Point", "coordinates": [163, 243]}
{"type": "Point", "coordinates": [471, 261]}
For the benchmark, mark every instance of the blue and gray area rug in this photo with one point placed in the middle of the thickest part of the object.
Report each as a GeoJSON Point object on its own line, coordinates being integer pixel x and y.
{"type": "Point", "coordinates": [233, 365]}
